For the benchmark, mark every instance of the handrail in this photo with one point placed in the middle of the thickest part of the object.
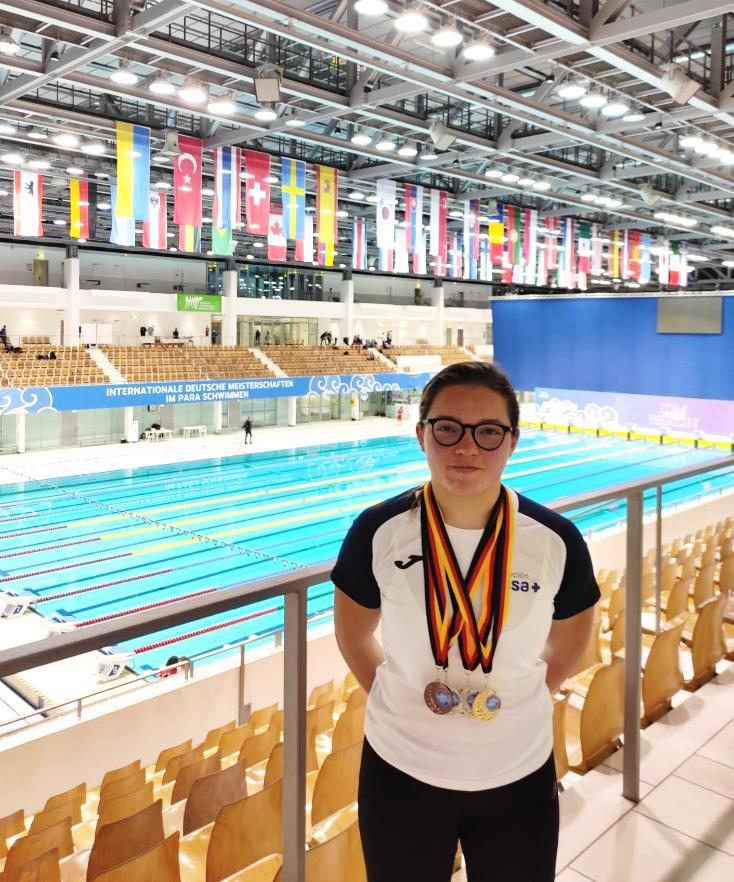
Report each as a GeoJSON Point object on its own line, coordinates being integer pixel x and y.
{"type": "Point", "coordinates": [294, 587]}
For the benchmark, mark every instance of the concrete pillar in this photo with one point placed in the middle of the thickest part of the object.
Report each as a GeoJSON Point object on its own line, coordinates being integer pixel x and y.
{"type": "Point", "coordinates": [20, 432]}
{"type": "Point", "coordinates": [292, 410]}
{"type": "Point", "coordinates": [230, 284]}
{"type": "Point", "coordinates": [347, 298]}
{"type": "Point", "coordinates": [70, 276]}
{"type": "Point", "coordinates": [130, 435]}
{"type": "Point", "coordinates": [354, 402]}
{"type": "Point", "coordinates": [217, 416]}
{"type": "Point", "coordinates": [437, 300]}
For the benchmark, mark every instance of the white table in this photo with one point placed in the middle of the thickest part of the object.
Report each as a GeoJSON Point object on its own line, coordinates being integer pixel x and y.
{"type": "Point", "coordinates": [194, 431]}
{"type": "Point", "coordinates": [157, 435]}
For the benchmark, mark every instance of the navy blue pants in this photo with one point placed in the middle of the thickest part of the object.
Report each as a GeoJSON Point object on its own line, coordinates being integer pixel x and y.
{"type": "Point", "coordinates": [410, 830]}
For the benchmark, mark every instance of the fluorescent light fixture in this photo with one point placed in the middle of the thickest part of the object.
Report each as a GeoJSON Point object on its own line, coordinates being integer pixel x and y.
{"type": "Point", "coordinates": [222, 104]}
{"type": "Point", "coordinates": [590, 197]}
{"type": "Point", "coordinates": [478, 50]}
{"type": "Point", "coordinates": [510, 178]}
{"type": "Point", "coordinates": [572, 90]}
{"type": "Point", "coordinates": [65, 139]}
{"type": "Point", "coordinates": [206, 191]}
{"type": "Point", "coordinates": [615, 109]}
{"type": "Point", "coordinates": [357, 195]}
{"type": "Point", "coordinates": [412, 21]}
{"type": "Point", "coordinates": [456, 213]}
{"type": "Point", "coordinates": [372, 198]}
{"type": "Point", "coordinates": [39, 164]}
{"type": "Point", "coordinates": [271, 179]}
{"type": "Point", "coordinates": [385, 146]}
{"type": "Point", "coordinates": [59, 222]}
{"type": "Point", "coordinates": [266, 113]}
{"type": "Point", "coordinates": [408, 150]}
{"type": "Point", "coordinates": [74, 170]}
{"type": "Point", "coordinates": [427, 155]}
{"type": "Point", "coordinates": [727, 232]}
{"type": "Point", "coordinates": [361, 139]}
{"type": "Point", "coordinates": [541, 186]}
{"type": "Point", "coordinates": [104, 206]}
{"type": "Point", "coordinates": [38, 135]}
{"type": "Point", "coordinates": [12, 158]}
{"type": "Point", "coordinates": [447, 37]}
{"type": "Point", "coordinates": [342, 213]}
{"type": "Point", "coordinates": [101, 174]}
{"type": "Point", "coordinates": [593, 100]}
{"type": "Point", "coordinates": [370, 7]}
{"type": "Point", "coordinates": [161, 85]}
{"type": "Point", "coordinates": [94, 148]}
{"type": "Point", "coordinates": [295, 121]}
{"type": "Point", "coordinates": [526, 182]}
{"type": "Point", "coordinates": [494, 174]}
{"type": "Point", "coordinates": [162, 185]}
{"type": "Point", "coordinates": [193, 91]}
{"type": "Point", "coordinates": [124, 76]}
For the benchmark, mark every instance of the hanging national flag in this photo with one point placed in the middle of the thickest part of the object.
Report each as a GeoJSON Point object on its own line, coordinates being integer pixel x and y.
{"type": "Point", "coordinates": [187, 182]}
{"type": "Point", "coordinates": [402, 263]}
{"type": "Point", "coordinates": [514, 242]}
{"type": "Point", "coordinates": [122, 230]}
{"type": "Point", "coordinates": [471, 238]}
{"type": "Point", "coordinates": [552, 228]}
{"type": "Point", "coordinates": [189, 238]}
{"type": "Point", "coordinates": [27, 203]}
{"type": "Point", "coordinates": [455, 257]}
{"type": "Point", "coordinates": [359, 244]}
{"type": "Point", "coordinates": [541, 268]}
{"type": "Point", "coordinates": [155, 229]}
{"type": "Point", "coordinates": [327, 201]}
{"type": "Point", "coordinates": [325, 252]}
{"type": "Point", "coordinates": [566, 262]}
{"type": "Point", "coordinates": [616, 253]}
{"type": "Point", "coordinates": [634, 254]}
{"type": "Point", "coordinates": [304, 247]}
{"type": "Point", "coordinates": [82, 209]}
{"type": "Point", "coordinates": [257, 192]}
{"type": "Point", "coordinates": [530, 245]}
{"type": "Point", "coordinates": [625, 256]}
{"type": "Point", "coordinates": [439, 237]}
{"type": "Point", "coordinates": [133, 171]}
{"type": "Point", "coordinates": [227, 213]}
{"type": "Point", "coordinates": [386, 260]}
{"type": "Point", "coordinates": [413, 216]}
{"type": "Point", "coordinates": [293, 197]}
{"type": "Point", "coordinates": [584, 247]}
{"type": "Point", "coordinates": [596, 250]}
{"type": "Point", "coordinates": [485, 264]}
{"type": "Point", "coordinates": [496, 231]}
{"type": "Point", "coordinates": [223, 244]}
{"type": "Point", "coordinates": [684, 268]}
{"type": "Point", "coordinates": [385, 214]}
{"type": "Point", "coordinates": [419, 255]}
{"type": "Point", "coordinates": [277, 243]}
{"type": "Point", "coordinates": [674, 263]}
{"type": "Point", "coordinates": [663, 263]}
{"type": "Point", "coordinates": [645, 274]}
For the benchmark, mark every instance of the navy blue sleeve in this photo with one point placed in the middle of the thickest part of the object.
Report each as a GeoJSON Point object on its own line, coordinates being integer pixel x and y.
{"type": "Point", "coordinates": [578, 590]}
{"type": "Point", "coordinates": [352, 572]}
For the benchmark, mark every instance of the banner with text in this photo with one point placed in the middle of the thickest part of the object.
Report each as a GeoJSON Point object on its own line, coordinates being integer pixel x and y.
{"type": "Point", "coordinates": [199, 302]}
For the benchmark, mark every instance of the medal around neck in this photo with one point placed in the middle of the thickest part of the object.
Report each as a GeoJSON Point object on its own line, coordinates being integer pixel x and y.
{"type": "Point", "coordinates": [450, 604]}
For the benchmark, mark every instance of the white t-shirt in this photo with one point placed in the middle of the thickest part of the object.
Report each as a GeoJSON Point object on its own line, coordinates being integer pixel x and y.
{"type": "Point", "coordinates": [381, 565]}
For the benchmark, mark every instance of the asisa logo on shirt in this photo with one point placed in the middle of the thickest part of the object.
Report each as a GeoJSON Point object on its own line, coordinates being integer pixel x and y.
{"type": "Point", "coordinates": [525, 583]}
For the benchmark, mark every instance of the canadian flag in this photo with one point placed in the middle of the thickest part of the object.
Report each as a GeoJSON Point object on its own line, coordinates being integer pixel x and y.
{"type": "Point", "coordinates": [277, 249]}
{"type": "Point", "coordinates": [155, 229]}
{"type": "Point", "coordinates": [257, 192]}
{"type": "Point", "coordinates": [28, 203]}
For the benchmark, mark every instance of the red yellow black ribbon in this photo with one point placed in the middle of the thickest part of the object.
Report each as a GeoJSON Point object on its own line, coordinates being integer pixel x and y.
{"type": "Point", "coordinates": [451, 599]}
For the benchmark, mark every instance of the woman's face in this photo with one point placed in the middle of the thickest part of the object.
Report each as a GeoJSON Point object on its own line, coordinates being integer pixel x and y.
{"type": "Point", "coordinates": [466, 469]}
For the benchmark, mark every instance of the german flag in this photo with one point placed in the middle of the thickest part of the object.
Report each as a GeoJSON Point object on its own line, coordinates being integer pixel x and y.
{"type": "Point", "coordinates": [83, 209]}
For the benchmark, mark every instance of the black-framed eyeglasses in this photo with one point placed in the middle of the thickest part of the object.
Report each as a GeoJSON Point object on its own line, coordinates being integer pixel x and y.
{"type": "Point", "coordinates": [448, 432]}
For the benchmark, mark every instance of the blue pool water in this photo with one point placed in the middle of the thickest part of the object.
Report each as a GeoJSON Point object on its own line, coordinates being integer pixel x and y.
{"type": "Point", "coordinates": [100, 545]}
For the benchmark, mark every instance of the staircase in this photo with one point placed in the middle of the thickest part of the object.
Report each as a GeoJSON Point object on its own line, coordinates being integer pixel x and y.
{"type": "Point", "coordinates": [270, 365]}
{"type": "Point", "coordinates": [106, 366]}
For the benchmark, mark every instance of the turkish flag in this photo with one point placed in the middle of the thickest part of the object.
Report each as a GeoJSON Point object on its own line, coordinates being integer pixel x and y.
{"type": "Point", "coordinates": [257, 192]}
{"type": "Point", "coordinates": [277, 249]}
{"type": "Point", "coordinates": [187, 182]}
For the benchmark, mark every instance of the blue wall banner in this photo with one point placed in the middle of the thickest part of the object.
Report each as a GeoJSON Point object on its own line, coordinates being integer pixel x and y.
{"type": "Point", "coordinates": [40, 399]}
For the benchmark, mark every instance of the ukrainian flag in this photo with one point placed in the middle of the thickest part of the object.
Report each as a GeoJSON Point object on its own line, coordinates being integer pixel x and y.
{"type": "Point", "coordinates": [293, 195]}
{"type": "Point", "coordinates": [133, 171]}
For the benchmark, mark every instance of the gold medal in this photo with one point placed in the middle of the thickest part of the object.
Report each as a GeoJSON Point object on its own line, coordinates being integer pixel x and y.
{"type": "Point", "coordinates": [439, 698]}
{"type": "Point", "coordinates": [486, 705]}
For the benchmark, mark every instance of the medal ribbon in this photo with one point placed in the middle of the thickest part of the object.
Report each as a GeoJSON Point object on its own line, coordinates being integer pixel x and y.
{"type": "Point", "coordinates": [450, 598]}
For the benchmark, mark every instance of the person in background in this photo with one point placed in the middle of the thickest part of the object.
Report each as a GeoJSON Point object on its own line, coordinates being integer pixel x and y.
{"type": "Point", "coordinates": [4, 338]}
{"type": "Point", "coordinates": [170, 672]}
{"type": "Point", "coordinates": [247, 426]}
{"type": "Point", "coordinates": [175, 334]}
{"type": "Point", "coordinates": [267, 338]}
{"type": "Point", "coordinates": [257, 337]}
{"type": "Point", "coordinates": [485, 603]}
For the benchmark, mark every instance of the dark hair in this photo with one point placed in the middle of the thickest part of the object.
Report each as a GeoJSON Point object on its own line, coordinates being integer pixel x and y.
{"type": "Point", "coordinates": [472, 373]}
{"type": "Point", "coordinates": [172, 660]}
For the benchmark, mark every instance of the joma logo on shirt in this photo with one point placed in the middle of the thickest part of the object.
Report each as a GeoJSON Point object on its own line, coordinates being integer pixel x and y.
{"type": "Point", "coordinates": [412, 559]}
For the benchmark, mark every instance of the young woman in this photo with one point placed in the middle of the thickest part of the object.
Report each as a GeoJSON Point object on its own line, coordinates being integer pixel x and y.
{"type": "Point", "coordinates": [485, 604]}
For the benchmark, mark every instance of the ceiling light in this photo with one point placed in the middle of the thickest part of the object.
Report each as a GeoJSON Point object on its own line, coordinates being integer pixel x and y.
{"type": "Point", "coordinates": [728, 263]}
{"type": "Point", "coordinates": [124, 76]}
{"type": "Point", "coordinates": [94, 148]}
{"type": "Point", "coordinates": [74, 170]}
{"type": "Point", "coordinates": [59, 222]}
{"type": "Point", "coordinates": [162, 185]}
{"type": "Point", "coordinates": [691, 141]}
{"type": "Point", "coordinates": [4, 193]}
{"type": "Point", "coordinates": [356, 195]}
{"type": "Point", "coordinates": [266, 113]}
{"type": "Point", "coordinates": [207, 192]}
{"type": "Point", "coordinates": [478, 50]}
{"type": "Point", "coordinates": [385, 146]}
{"type": "Point", "coordinates": [572, 90]}
{"type": "Point", "coordinates": [361, 139]}
{"type": "Point", "coordinates": [589, 197]}
{"type": "Point", "coordinates": [342, 213]}
{"type": "Point", "coordinates": [370, 7]}
{"type": "Point", "coordinates": [705, 148]}
{"type": "Point", "coordinates": [12, 158]}
{"type": "Point", "coordinates": [723, 231]}
{"type": "Point", "coordinates": [593, 100]}
{"type": "Point", "coordinates": [40, 164]}
{"type": "Point", "coordinates": [510, 178]}
{"type": "Point", "coordinates": [271, 179]}
{"type": "Point", "coordinates": [526, 182]}
{"type": "Point", "coordinates": [493, 174]}
{"type": "Point", "coordinates": [678, 84]}
{"type": "Point", "coordinates": [614, 203]}
{"type": "Point", "coordinates": [161, 85]}
{"type": "Point", "coordinates": [615, 109]}
{"type": "Point", "coordinates": [193, 91]}
{"type": "Point", "coordinates": [101, 174]}
{"type": "Point", "coordinates": [9, 45]}
{"type": "Point", "coordinates": [447, 37]}
{"type": "Point", "coordinates": [65, 139]}
{"type": "Point", "coordinates": [456, 213]}
{"type": "Point", "coordinates": [38, 135]}
{"type": "Point", "coordinates": [7, 129]}
{"type": "Point", "coordinates": [294, 121]}
{"type": "Point", "coordinates": [633, 117]}
{"type": "Point", "coordinates": [104, 206]}
{"type": "Point", "coordinates": [372, 198]}
{"type": "Point", "coordinates": [427, 155]}
{"type": "Point", "coordinates": [408, 150]}
{"type": "Point", "coordinates": [411, 21]}
{"type": "Point", "coordinates": [222, 104]}
{"type": "Point", "coordinates": [727, 157]}
{"type": "Point", "coordinates": [541, 186]}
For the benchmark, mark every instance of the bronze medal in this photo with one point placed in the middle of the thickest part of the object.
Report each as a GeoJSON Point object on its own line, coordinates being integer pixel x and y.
{"type": "Point", "coordinates": [439, 698]}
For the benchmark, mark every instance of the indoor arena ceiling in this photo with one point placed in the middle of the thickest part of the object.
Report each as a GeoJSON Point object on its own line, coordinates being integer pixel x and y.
{"type": "Point", "coordinates": [631, 160]}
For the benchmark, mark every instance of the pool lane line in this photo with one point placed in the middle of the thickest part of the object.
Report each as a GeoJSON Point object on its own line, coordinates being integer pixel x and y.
{"type": "Point", "coordinates": [70, 566]}
{"type": "Point", "coordinates": [44, 548]}
{"type": "Point", "coordinates": [63, 594]}
{"type": "Point", "coordinates": [33, 531]}
{"type": "Point", "coordinates": [137, 609]}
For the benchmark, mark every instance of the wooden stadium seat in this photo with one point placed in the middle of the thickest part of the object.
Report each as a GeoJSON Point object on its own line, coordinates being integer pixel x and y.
{"type": "Point", "coordinates": [264, 870]}
{"type": "Point", "coordinates": [10, 825]}
{"type": "Point", "coordinates": [123, 806]}
{"type": "Point", "coordinates": [122, 772]}
{"type": "Point", "coordinates": [703, 586]}
{"type": "Point", "coordinates": [49, 817]}
{"type": "Point", "coordinates": [276, 722]}
{"type": "Point", "coordinates": [44, 868]}
{"type": "Point", "coordinates": [214, 736]}
{"type": "Point", "coordinates": [560, 754]}
{"type": "Point", "coordinates": [73, 794]}
{"type": "Point", "coordinates": [244, 832]}
{"type": "Point", "coordinates": [158, 864]}
{"type": "Point", "coordinates": [118, 842]}
{"type": "Point", "coordinates": [339, 858]}
{"type": "Point", "coordinates": [349, 685]}
{"type": "Point", "coordinates": [209, 794]}
{"type": "Point", "coordinates": [356, 698]}
{"type": "Point", "coordinates": [322, 689]}
{"type": "Point", "coordinates": [336, 784]}
{"type": "Point", "coordinates": [189, 774]}
{"type": "Point", "coordinates": [726, 574]}
{"type": "Point", "coordinates": [706, 644]}
{"type": "Point", "coordinates": [320, 719]}
{"type": "Point", "coordinates": [661, 678]}
{"type": "Point", "coordinates": [231, 741]}
{"type": "Point", "coordinates": [593, 732]}
{"type": "Point", "coordinates": [121, 786]}
{"type": "Point", "coordinates": [165, 756]}
{"type": "Point", "coordinates": [274, 768]}
{"type": "Point", "coordinates": [176, 763]}
{"type": "Point", "coordinates": [349, 728]}
{"type": "Point", "coordinates": [257, 748]}
{"type": "Point", "coordinates": [25, 849]}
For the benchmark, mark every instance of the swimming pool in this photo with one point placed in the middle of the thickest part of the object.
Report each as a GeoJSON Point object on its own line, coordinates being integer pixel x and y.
{"type": "Point", "coordinates": [98, 546]}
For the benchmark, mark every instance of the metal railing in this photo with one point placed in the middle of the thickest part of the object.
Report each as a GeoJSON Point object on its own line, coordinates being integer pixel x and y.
{"type": "Point", "coordinates": [293, 587]}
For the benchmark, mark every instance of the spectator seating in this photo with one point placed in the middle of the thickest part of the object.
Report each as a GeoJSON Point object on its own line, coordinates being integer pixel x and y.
{"type": "Point", "coordinates": [161, 362]}
{"type": "Point", "coordinates": [448, 354]}
{"type": "Point", "coordinates": [314, 360]}
{"type": "Point", "coordinates": [72, 366]}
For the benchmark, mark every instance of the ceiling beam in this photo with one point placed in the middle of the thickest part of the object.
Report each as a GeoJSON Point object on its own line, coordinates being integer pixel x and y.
{"type": "Point", "coordinates": [666, 18]}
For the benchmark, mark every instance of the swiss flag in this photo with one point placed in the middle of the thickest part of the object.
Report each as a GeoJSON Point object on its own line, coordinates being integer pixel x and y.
{"type": "Point", "coordinates": [257, 192]}
{"type": "Point", "coordinates": [276, 238]}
